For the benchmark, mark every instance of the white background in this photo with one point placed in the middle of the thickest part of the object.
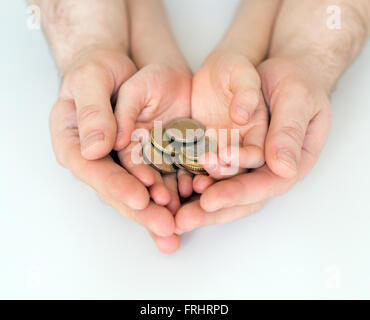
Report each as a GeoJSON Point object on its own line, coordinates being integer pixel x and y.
{"type": "Point", "coordinates": [59, 240]}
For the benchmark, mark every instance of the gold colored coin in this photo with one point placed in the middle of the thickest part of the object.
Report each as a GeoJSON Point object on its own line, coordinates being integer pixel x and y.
{"type": "Point", "coordinates": [178, 165]}
{"type": "Point", "coordinates": [157, 159]}
{"type": "Point", "coordinates": [178, 161]}
{"type": "Point", "coordinates": [161, 143]}
{"type": "Point", "coordinates": [184, 130]}
{"type": "Point", "coordinates": [194, 151]}
{"type": "Point", "coordinates": [183, 160]}
{"type": "Point", "coordinates": [195, 170]}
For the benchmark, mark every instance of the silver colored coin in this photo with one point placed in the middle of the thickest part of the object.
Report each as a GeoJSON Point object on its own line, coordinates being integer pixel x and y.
{"type": "Point", "coordinates": [184, 130]}
{"type": "Point", "coordinates": [194, 151]}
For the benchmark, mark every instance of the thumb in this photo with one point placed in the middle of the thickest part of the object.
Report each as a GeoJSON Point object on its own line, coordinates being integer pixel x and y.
{"type": "Point", "coordinates": [290, 117]}
{"type": "Point", "coordinates": [245, 85]}
{"type": "Point", "coordinates": [131, 101]}
{"type": "Point", "coordinates": [91, 88]}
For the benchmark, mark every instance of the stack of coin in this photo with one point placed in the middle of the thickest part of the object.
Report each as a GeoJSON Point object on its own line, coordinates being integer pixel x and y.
{"type": "Point", "coordinates": [181, 143]}
{"type": "Point", "coordinates": [190, 153]}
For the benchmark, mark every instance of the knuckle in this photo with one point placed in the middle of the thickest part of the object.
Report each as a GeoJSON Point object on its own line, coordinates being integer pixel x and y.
{"type": "Point", "coordinates": [90, 68]}
{"type": "Point", "coordinates": [221, 219]}
{"type": "Point", "coordinates": [293, 87]}
{"type": "Point", "coordinates": [88, 113]}
{"type": "Point", "coordinates": [114, 183]}
{"type": "Point", "coordinates": [84, 72]}
{"type": "Point", "coordinates": [294, 131]}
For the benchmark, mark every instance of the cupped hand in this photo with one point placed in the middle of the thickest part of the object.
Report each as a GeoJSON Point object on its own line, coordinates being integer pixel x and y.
{"type": "Point", "coordinates": [83, 130]}
{"type": "Point", "coordinates": [227, 95]}
{"type": "Point", "coordinates": [157, 92]}
{"type": "Point", "coordinates": [300, 124]}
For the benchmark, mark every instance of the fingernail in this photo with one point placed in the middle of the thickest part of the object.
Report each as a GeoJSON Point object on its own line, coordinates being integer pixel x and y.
{"type": "Point", "coordinates": [287, 158]}
{"type": "Point", "coordinates": [243, 113]}
{"type": "Point", "coordinates": [92, 139]}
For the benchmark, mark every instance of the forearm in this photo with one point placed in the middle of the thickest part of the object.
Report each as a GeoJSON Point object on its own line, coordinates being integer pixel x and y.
{"type": "Point", "coordinates": [302, 33]}
{"type": "Point", "coordinates": [151, 38]}
{"type": "Point", "coordinates": [75, 27]}
{"type": "Point", "coordinates": [251, 29]}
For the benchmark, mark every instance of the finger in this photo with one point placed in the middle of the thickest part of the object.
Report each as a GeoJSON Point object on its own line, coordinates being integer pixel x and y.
{"type": "Point", "coordinates": [291, 111]}
{"type": "Point", "coordinates": [132, 98]}
{"type": "Point", "coordinates": [155, 218]}
{"type": "Point", "coordinates": [158, 191]}
{"type": "Point", "coordinates": [244, 189]}
{"type": "Point", "coordinates": [91, 88]}
{"type": "Point", "coordinates": [316, 136]}
{"type": "Point", "coordinates": [251, 153]}
{"type": "Point", "coordinates": [216, 168]}
{"type": "Point", "coordinates": [131, 159]}
{"type": "Point", "coordinates": [104, 175]}
{"type": "Point", "coordinates": [263, 184]}
{"type": "Point", "coordinates": [185, 183]}
{"type": "Point", "coordinates": [201, 183]}
{"type": "Point", "coordinates": [146, 174]}
{"type": "Point", "coordinates": [247, 157]}
{"type": "Point", "coordinates": [167, 245]}
{"type": "Point", "coordinates": [170, 182]}
{"type": "Point", "coordinates": [192, 215]}
{"type": "Point", "coordinates": [245, 84]}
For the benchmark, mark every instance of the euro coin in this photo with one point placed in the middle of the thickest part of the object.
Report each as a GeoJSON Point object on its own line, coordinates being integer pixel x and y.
{"type": "Point", "coordinates": [181, 158]}
{"type": "Point", "coordinates": [184, 130]}
{"type": "Point", "coordinates": [162, 143]}
{"type": "Point", "coordinates": [195, 170]}
{"type": "Point", "coordinates": [192, 168]}
{"type": "Point", "coordinates": [157, 159]}
{"type": "Point", "coordinates": [194, 151]}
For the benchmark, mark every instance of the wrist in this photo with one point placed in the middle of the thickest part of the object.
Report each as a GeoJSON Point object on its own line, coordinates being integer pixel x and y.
{"type": "Point", "coordinates": [250, 32]}
{"type": "Point", "coordinates": [98, 54]}
{"type": "Point", "coordinates": [323, 53]}
{"type": "Point", "coordinates": [76, 28]}
{"type": "Point", "coordinates": [232, 45]}
{"type": "Point", "coordinates": [148, 47]}
{"type": "Point", "coordinates": [167, 53]}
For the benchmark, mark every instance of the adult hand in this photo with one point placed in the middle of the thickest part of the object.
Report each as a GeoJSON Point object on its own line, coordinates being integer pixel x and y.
{"type": "Point", "coordinates": [83, 130]}
{"type": "Point", "coordinates": [300, 123]}
{"type": "Point", "coordinates": [306, 61]}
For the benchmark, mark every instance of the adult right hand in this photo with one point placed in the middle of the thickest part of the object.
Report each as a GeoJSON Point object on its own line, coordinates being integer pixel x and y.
{"type": "Point", "coordinates": [83, 130]}
{"type": "Point", "coordinates": [299, 127]}
{"type": "Point", "coordinates": [306, 59]}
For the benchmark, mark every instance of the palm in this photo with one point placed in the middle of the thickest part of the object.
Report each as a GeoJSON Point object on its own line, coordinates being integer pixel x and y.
{"type": "Point", "coordinates": [212, 97]}
{"type": "Point", "coordinates": [211, 100]}
{"type": "Point", "coordinates": [170, 96]}
{"type": "Point", "coordinates": [156, 93]}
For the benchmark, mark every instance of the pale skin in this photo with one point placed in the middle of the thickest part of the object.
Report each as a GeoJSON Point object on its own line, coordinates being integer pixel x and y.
{"type": "Point", "coordinates": [227, 92]}
{"type": "Point", "coordinates": [305, 60]}
{"type": "Point", "coordinates": [90, 42]}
